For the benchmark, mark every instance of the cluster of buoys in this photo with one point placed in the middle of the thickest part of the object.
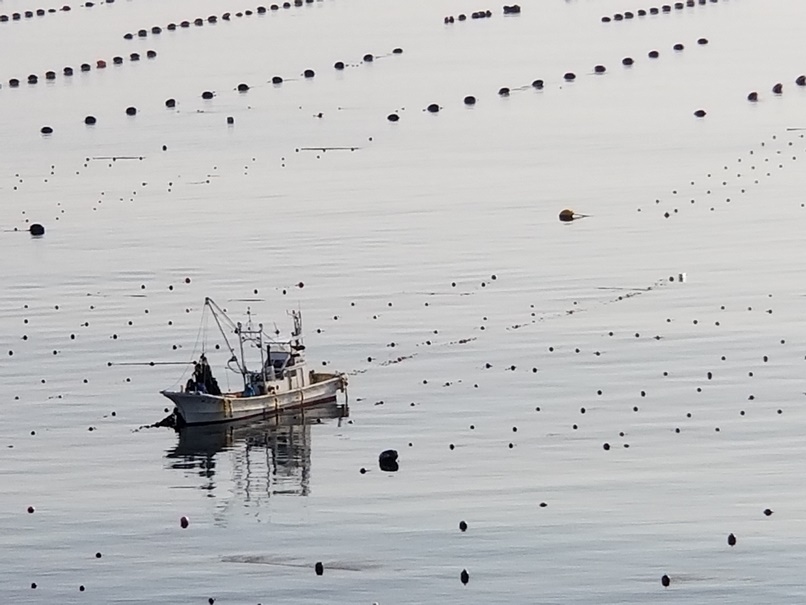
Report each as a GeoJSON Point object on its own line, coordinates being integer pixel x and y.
{"type": "Point", "coordinates": [475, 15]}
{"type": "Point", "coordinates": [514, 9]}
{"type": "Point", "coordinates": [212, 19]}
{"type": "Point", "coordinates": [748, 173]}
{"type": "Point", "coordinates": [777, 89]}
{"type": "Point", "coordinates": [84, 67]}
{"type": "Point", "coordinates": [665, 9]}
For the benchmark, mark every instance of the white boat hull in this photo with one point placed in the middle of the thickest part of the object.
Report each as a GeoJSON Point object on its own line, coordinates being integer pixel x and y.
{"type": "Point", "coordinates": [202, 408]}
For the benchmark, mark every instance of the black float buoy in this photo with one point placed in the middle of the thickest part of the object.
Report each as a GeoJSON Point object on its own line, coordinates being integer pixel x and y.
{"type": "Point", "coordinates": [665, 581]}
{"type": "Point", "coordinates": [568, 215]}
{"type": "Point", "coordinates": [151, 54]}
{"type": "Point", "coordinates": [752, 97]}
{"type": "Point", "coordinates": [36, 229]}
{"type": "Point", "coordinates": [243, 87]}
{"type": "Point", "coordinates": [599, 69]}
{"type": "Point", "coordinates": [130, 111]}
{"type": "Point", "coordinates": [13, 82]}
{"type": "Point", "coordinates": [67, 71]}
{"type": "Point", "coordinates": [700, 113]}
{"type": "Point", "coordinates": [85, 67]}
{"type": "Point", "coordinates": [46, 130]}
{"type": "Point", "coordinates": [156, 30]}
{"type": "Point", "coordinates": [338, 65]}
{"type": "Point", "coordinates": [702, 41]}
{"type": "Point", "coordinates": [462, 526]}
{"type": "Point", "coordinates": [142, 33]}
{"type": "Point", "coordinates": [393, 117]}
{"type": "Point", "coordinates": [33, 79]}
{"type": "Point", "coordinates": [207, 95]}
{"type": "Point", "coordinates": [678, 46]}
{"type": "Point", "coordinates": [504, 92]}
{"type": "Point", "coordinates": [50, 75]}
{"type": "Point", "coordinates": [368, 58]}
{"type": "Point", "coordinates": [276, 80]}
{"type": "Point", "coordinates": [569, 76]}
{"type": "Point", "coordinates": [627, 61]}
{"type": "Point", "coordinates": [433, 108]}
{"type": "Point", "coordinates": [464, 577]}
{"type": "Point", "coordinates": [117, 60]}
{"type": "Point", "coordinates": [134, 57]}
{"type": "Point", "coordinates": [170, 103]}
{"type": "Point", "coordinates": [387, 461]}
{"type": "Point", "coordinates": [778, 89]}
{"type": "Point", "coordinates": [89, 120]}
{"type": "Point", "coordinates": [653, 54]}
{"type": "Point", "coordinates": [230, 120]}
{"type": "Point", "coordinates": [537, 84]}
{"type": "Point", "coordinates": [470, 100]}
{"type": "Point", "coordinates": [731, 540]}
{"type": "Point", "coordinates": [800, 81]}
{"type": "Point", "coordinates": [397, 51]}
{"type": "Point", "coordinates": [308, 73]}
{"type": "Point", "coordinates": [319, 568]}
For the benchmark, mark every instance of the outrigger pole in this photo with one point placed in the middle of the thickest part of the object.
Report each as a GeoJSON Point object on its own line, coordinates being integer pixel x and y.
{"type": "Point", "coordinates": [216, 310]}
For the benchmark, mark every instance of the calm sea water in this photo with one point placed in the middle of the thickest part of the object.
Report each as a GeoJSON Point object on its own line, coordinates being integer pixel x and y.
{"type": "Point", "coordinates": [497, 349]}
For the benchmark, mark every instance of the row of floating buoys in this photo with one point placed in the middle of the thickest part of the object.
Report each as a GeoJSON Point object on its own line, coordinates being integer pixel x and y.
{"type": "Point", "coordinates": [84, 67]}
{"type": "Point", "coordinates": [91, 120]}
{"type": "Point", "coordinates": [40, 12]}
{"type": "Point", "coordinates": [777, 89]}
{"type": "Point", "coordinates": [666, 8]}
{"type": "Point", "coordinates": [569, 76]}
{"type": "Point", "coordinates": [199, 21]}
{"type": "Point", "coordinates": [485, 14]}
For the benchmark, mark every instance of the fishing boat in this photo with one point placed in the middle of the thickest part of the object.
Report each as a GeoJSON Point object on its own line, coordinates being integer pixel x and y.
{"type": "Point", "coordinates": [280, 380]}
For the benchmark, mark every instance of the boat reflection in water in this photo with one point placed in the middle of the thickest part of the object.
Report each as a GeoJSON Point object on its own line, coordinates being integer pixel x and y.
{"type": "Point", "coordinates": [266, 457]}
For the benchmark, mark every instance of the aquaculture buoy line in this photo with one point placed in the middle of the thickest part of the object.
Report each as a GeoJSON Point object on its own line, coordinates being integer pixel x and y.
{"type": "Point", "coordinates": [733, 180]}
{"type": "Point", "coordinates": [213, 19]}
{"type": "Point", "coordinates": [777, 89]}
{"type": "Point", "coordinates": [513, 9]}
{"type": "Point", "coordinates": [42, 12]}
{"type": "Point", "coordinates": [69, 71]}
{"type": "Point", "coordinates": [170, 103]}
{"type": "Point", "coordinates": [662, 10]}
{"type": "Point", "coordinates": [568, 77]}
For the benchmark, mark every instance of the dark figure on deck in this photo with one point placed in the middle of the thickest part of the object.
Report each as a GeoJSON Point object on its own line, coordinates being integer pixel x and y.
{"type": "Point", "coordinates": [203, 378]}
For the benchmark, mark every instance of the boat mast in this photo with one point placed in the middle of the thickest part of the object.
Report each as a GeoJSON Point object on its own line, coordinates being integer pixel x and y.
{"type": "Point", "coordinates": [239, 331]}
